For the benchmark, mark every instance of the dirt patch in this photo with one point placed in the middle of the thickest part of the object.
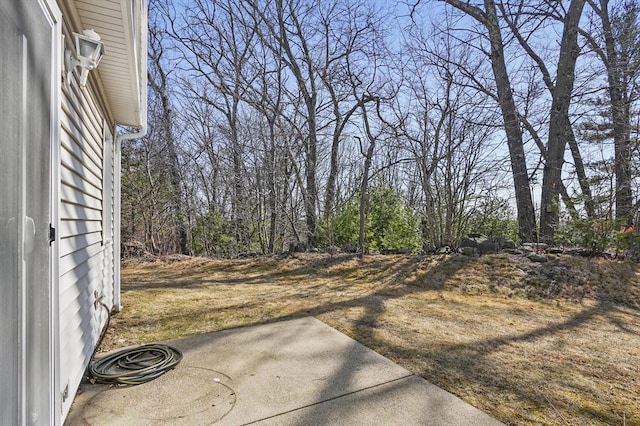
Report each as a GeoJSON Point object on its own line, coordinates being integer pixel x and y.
{"type": "Point", "coordinates": [529, 343]}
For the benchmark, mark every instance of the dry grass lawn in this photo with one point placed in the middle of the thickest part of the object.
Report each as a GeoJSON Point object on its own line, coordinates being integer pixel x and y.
{"type": "Point", "coordinates": [555, 343]}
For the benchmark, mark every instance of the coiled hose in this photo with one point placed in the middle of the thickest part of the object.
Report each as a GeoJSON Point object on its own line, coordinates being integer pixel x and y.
{"type": "Point", "coordinates": [132, 366]}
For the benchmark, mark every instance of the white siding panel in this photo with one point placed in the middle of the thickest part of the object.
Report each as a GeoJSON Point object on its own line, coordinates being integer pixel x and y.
{"type": "Point", "coordinates": [72, 141]}
{"type": "Point", "coordinates": [73, 211]}
{"type": "Point", "coordinates": [75, 196]}
{"type": "Point", "coordinates": [70, 161]}
{"type": "Point", "coordinates": [81, 323]}
{"type": "Point", "coordinates": [71, 154]}
{"type": "Point", "coordinates": [71, 260]}
{"type": "Point", "coordinates": [70, 228]}
{"type": "Point", "coordinates": [77, 123]}
{"type": "Point", "coordinates": [108, 17]}
{"type": "Point", "coordinates": [78, 242]}
{"type": "Point", "coordinates": [81, 183]}
{"type": "Point", "coordinates": [86, 261]}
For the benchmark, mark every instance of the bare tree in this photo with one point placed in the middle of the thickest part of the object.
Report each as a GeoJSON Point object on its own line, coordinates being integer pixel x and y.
{"type": "Point", "coordinates": [349, 32]}
{"type": "Point", "coordinates": [559, 125]}
{"type": "Point", "coordinates": [216, 45]}
{"type": "Point", "coordinates": [288, 28]}
{"type": "Point", "coordinates": [366, 172]}
{"type": "Point", "coordinates": [158, 79]}
{"type": "Point", "coordinates": [617, 47]}
{"type": "Point", "coordinates": [518, 16]}
{"type": "Point", "coordinates": [488, 17]}
{"type": "Point", "coordinates": [447, 127]}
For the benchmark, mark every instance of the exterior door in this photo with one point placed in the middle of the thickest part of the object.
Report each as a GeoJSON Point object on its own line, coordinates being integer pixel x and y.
{"type": "Point", "coordinates": [26, 90]}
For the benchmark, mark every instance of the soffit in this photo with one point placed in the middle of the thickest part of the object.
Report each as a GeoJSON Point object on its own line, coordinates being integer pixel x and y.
{"type": "Point", "coordinates": [121, 70]}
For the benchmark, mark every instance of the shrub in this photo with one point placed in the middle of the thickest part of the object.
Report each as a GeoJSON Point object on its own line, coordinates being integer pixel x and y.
{"type": "Point", "coordinates": [391, 224]}
{"type": "Point", "coordinates": [494, 218]}
{"type": "Point", "coordinates": [597, 235]}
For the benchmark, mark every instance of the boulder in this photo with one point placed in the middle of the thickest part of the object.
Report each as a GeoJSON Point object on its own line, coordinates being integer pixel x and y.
{"type": "Point", "coordinates": [297, 247]}
{"type": "Point", "coordinates": [535, 246]}
{"type": "Point", "coordinates": [538, 258]}
{"type": "Point", "coordinates": [488, 246]}
{"type": "Point", "coordinates": [468, 251]}
{"type": "Point", "coordinates": [508, 244]}
{"type": "Point", "coordinates": [333, 250]}
{"type": "Point", "coordinates": [444, 250]}
{"type": "Point", "coordinates": [468, 242]}
{"type": "Point", "coordinates": [349, 248]}
{"type": "Point", "coordinates": [513, 251]}
{"type": "Point", "coordinates": [396, 251]}
{"type": "Point", "coordinates": [495, 245]}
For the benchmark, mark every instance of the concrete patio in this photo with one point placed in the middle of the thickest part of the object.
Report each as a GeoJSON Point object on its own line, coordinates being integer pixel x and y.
{"type": "Point", "coordinates": [297, 372]}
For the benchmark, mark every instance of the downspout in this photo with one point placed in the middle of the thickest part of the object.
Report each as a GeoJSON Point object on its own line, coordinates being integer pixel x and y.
{"type": "Point", "coordinates": [117, 208]}
{"type": "Point", "coordinates": [140, 133]}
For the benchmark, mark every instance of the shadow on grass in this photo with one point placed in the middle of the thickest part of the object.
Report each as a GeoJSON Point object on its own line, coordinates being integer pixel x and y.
{"type": "Point", "coordinates": [256, 272]}
{"type": "Point", "coordinates": [460, 361]}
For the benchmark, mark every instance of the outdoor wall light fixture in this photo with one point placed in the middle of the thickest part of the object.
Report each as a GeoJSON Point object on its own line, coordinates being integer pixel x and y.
{"type": "Point", "coordinates": [88, 52]}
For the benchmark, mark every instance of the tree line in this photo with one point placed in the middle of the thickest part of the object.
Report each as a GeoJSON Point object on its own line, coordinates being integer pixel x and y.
{"type": "Point", "coordinates": [296, 124]}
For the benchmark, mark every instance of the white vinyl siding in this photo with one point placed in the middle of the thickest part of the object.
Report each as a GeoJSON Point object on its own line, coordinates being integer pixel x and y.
{"type": "Point", "coordinates": [107, 187]}
{"type": "Point", "coordinates": [86, 259]}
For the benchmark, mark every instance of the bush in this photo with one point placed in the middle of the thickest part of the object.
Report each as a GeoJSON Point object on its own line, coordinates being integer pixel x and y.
{"type": "Point", "coordinates": [211, 236]}
{"type": "Point", "coordinates": [391, 225]}
{"type": "Point", "coordinates": [494, 218]}
{"type": "Point", "coordinates": [597, 235]}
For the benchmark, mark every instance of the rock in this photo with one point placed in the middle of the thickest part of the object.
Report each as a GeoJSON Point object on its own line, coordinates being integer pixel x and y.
{"type": "Point", "coordinates": [349, 248]}
{"type": "Point", "coordinates": [468, 242]}
{"type": "Point", "coordinates": [488, 246]}
{"type": "Point", "coordinates": [524, 250]}
{"type": "Point", "coordinates": [512, 251]}
{"type": "Point", "coordinates": [538, 258]}
{"type": "Point", "coordinates": [577, 251]}
{"type": "Point", "coordinates": [535, 246]}
{"type": "Point", "coordinates": [297, 247]}
{"type": "Point", "coordinates": [248, 254]}
{"type": "Point", "coordinates": [633, 253]}
{"type": "Point", "coordinates": [494, 245]}
{"type": "Point", "coordinates": [468, 251]}
{"type": "Point", "coordinates": [333, 250]}
{"type": "Point", "coordinates": [555, 250]}
{"type": "Point", "coordinates": [508, 244]}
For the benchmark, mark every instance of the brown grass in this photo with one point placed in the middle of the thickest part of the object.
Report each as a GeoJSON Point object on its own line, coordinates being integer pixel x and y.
{"type": "Point", "coordinates": [555, 343]}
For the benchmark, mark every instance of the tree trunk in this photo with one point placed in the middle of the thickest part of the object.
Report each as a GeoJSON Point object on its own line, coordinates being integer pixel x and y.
{"type": "Point", "coordinates": [526, 215]}
{"type": "Point", "coordinates": [559, 125]}
{"type": "Point", "coordinates": [524, 203]}
{"type": "Point", "coordinates": [581, 174]}
{"type": "Point", "coordinates": [368, 160]}
{"type": "Point", "coordinates": [310, 99]}
{"type": "Point", "coordinates": [158, 81]}
{"type": "Point", "coordinates": [620, 114]}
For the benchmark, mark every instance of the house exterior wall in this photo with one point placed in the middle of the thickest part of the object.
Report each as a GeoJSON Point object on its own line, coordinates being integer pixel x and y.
{"type": "Point", "coordinates": [61, 166]}
{"type": "Point", "coordinates": [86, 251]}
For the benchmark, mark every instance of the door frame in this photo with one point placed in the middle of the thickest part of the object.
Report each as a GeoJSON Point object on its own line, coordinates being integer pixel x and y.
{"type": "Point", "coordinates": [53, 15]}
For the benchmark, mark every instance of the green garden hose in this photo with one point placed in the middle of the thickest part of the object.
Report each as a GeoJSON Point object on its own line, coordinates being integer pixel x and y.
{"type": "Point", "coordinates": [132, 366]}
{"type": "Point", "coordinates": [136, 365]}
